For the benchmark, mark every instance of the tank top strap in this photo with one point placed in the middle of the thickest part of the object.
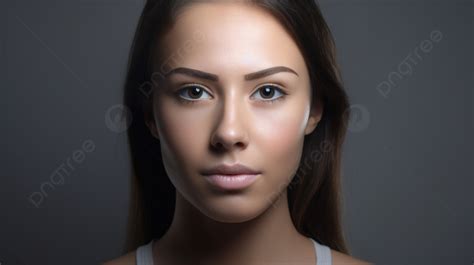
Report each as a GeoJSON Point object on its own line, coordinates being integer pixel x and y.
{"type": "Point", "coordinates": [144, 254]}
{"type": "Point", "coordinates": [323, 253]}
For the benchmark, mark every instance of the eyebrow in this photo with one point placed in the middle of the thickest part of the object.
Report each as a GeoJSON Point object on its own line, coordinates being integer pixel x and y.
{"type": "Point", "coordinates": [215, 78]}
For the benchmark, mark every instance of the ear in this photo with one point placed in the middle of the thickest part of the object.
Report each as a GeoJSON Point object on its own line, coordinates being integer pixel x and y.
{"type": "Point", "coordinates": [150, 120]}
{"type": "Point", "coordinates": [150, 123]}
{"type": "Point", "coordinates": [314, 117]}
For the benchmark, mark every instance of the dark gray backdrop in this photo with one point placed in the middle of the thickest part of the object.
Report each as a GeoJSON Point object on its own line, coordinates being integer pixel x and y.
{"type": "Point", "coordinates": [407, 164]}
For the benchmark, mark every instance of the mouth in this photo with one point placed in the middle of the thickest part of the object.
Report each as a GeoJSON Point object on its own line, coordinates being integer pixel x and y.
{"type": "Point", "coordinates": [231, 182]}
{"type": "Point", "coordinates": [231, 177]}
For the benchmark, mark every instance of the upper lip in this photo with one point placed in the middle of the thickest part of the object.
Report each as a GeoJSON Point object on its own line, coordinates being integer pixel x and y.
{"type": "Point", "coordinates": [235, 169]}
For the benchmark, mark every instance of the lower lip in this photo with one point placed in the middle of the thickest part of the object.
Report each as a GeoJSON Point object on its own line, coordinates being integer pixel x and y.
{"type": "Point", "coordinates": [231, 182]}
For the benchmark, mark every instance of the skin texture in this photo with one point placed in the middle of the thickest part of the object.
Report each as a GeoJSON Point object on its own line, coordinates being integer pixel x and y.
{"type": "Point", "coordinates": [231, 121]}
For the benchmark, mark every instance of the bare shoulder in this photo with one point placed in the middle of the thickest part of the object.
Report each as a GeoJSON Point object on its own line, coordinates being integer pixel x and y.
{"type": "Point", "coordinates": [339, 258]}
{"type": "Point", "coordinates": [127, 259]}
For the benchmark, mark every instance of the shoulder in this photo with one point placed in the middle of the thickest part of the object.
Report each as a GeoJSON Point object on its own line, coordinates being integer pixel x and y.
{"type": "Point", "coordinates": [127, 259]}
{"type": "Point", "coordinates": [339, 258]}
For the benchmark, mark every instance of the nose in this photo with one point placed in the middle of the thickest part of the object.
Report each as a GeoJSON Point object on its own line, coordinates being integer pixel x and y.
{"type": "Point", "coordinates": [230, 131]}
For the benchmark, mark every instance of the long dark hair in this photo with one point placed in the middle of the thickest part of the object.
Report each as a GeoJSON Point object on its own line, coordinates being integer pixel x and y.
{"type": "Point", "coordinates": [314, 195]}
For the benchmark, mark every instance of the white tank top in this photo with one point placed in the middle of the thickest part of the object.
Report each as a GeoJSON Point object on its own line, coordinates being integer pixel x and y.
{"type": "Point", "coordinates": [323, 253]}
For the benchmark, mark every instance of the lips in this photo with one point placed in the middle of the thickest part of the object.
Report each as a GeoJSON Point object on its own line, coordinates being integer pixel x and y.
{"type": "Point", "coordinates": [235, 169]}
{"type": "Point", "coordinates": [231, 177]}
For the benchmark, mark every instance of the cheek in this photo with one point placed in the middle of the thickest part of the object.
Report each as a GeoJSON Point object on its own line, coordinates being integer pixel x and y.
{"type": "Point", "coordinates": [280, 140]}
{"type": "Point", "coordinates": [280, 144]}
{"type": "Point", "coordinates": [182, 144]}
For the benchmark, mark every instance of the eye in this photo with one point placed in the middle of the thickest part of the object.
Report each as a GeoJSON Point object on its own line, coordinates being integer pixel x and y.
{"type": "Point", "coordinates": [192, 92]}
{"type": "Point", "coordinates": [267, 93]}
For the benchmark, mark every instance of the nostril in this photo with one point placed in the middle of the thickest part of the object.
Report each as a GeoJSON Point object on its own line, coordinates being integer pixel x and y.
{"type": "Point", "coordinates": [222, 146]}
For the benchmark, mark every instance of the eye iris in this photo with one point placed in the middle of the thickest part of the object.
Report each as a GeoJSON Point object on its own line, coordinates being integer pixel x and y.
{"type": "Point", "coordinates": [195, 92]}
{"type": "Point", "coordinates": [267, 92]}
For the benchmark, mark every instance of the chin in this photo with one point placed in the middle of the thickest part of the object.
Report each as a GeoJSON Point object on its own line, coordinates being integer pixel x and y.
{"type": "Point", "coordinates": [233, 208]}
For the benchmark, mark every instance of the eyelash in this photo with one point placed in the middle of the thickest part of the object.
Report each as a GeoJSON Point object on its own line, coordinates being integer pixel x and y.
{"type": "Point", "coordinates": [272, 101]}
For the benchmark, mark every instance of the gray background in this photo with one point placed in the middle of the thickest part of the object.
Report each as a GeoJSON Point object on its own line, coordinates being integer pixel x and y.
{"type": "Point", "coordinates": [407, 164]}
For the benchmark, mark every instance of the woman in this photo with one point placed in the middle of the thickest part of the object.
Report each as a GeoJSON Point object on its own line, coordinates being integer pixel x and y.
{"type": "Point", "coordinates": [238, 117]}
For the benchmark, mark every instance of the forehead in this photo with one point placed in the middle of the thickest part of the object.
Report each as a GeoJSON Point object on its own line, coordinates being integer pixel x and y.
{"type": "Point", "coordinates": [222, 36]}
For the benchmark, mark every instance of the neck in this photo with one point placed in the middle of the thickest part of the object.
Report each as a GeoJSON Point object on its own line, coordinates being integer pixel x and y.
{"type": "Point", "coordinates": [272, 233]}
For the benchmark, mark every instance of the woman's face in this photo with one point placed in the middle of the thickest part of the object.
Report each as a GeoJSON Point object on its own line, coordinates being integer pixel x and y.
{"type": "Point", "coordinates": [230, 116]}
